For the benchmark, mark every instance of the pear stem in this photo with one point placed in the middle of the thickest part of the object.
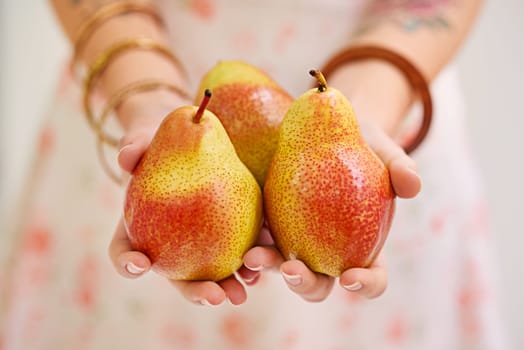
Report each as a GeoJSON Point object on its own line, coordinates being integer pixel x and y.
{"type": "Point", "coordinates": [205, 101]}
{"type": "Point", "coordinates": [322, 83]}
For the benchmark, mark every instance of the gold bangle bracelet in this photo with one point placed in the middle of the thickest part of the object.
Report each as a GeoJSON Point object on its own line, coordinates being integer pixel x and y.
{"type": "Point", "coordinates": [413, 75]}
{"type": "Point", "coordinates": [113, 103]}
{"type": "Point", "coordinates": [107, 12]}
{"type": "Point", "coordinates": [103, 60]}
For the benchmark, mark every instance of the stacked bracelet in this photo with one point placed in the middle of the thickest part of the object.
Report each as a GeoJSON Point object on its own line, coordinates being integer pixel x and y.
{"type": "Point", "coordinates": [114, 102]}
{"type": "Point", "coordinates": [102, 61]}
{"type": "Point", "coordinates": [107, 12]}
{"type": "Point", "coordinates": [412, 74]}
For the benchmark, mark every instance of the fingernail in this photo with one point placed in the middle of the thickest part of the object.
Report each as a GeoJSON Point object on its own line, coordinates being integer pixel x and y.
{"type": "Point", "coordinates": [125, 147]}
{"type": "Point", "coordinates": [231, 303]}
{"type": "Point", "coordinates": [251, 279]}
{"type": "Point", "coordinates": [413, 172]}
{"type": "Point", "coordinates": [353, 287]}
{"type": "Point", "coordinates": [204, 302]}
{"type": "Point", "coordinates": [255, 268]}
{"type": "Point", "coordinates": [133, 269]}
{"type": "Point", "coordinates": [294, 280]}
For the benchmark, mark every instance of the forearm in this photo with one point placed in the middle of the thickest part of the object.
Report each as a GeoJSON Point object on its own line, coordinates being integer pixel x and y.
{"type": "Point", "coordinates": [128, 67]}
{"type": "Point", "coordinates": [429, 40]}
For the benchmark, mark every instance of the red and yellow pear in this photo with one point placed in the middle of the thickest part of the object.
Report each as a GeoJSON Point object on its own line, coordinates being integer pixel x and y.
{"type": "Point", "coordinates": [191, 205]}
{"type": "Point", "coordinates": [328, 198]}
{"type": "Point", "coordinates": [251, 106]}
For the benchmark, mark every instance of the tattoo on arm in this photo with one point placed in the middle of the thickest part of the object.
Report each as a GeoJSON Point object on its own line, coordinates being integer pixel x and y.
{"type": "Point", "coordinates": [410, 15]}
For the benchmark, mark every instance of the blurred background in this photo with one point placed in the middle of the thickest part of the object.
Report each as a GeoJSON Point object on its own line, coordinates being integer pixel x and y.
{"type": "Point", "coordinates": [33, 51]}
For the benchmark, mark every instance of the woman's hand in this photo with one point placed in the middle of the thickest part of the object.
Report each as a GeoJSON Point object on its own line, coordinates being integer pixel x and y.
{"type": "Point", "coordinates": [368, 282]}
{"type": "Point", "coordinates": [133, 264]}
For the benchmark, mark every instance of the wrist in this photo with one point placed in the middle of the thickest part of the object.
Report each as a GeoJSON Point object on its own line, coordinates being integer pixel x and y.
{"type": "Point", "coordinates": [147, 109]}
{"type": "Point", "coordinates": [128, 67]}
{"type": "Point", "coordinates": [378, 91]}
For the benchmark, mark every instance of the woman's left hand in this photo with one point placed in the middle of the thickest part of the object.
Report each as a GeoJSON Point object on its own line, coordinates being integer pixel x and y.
{"type": "Point", "coordinates": [368, 282]}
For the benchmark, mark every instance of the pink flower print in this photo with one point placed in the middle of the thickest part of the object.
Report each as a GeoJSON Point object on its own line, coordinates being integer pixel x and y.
{"type": "Point", "coordinates": [38, 240]}
{"type": "Point", "coordinates": [346, 321]}
{"type": "Point", "coordinates": [469, 299]}
{"type": "Point", "coordinates": [33, 323]}
{"type": "Point", "coordinates": [478, 223]}
{"type": "Point", "coordinates": [204, 9]}
{"type": "Point", "coordinates": [66, 78]}
{"type": "Point", "coordinates": [87, 280]}
{"type": "Point", "coordinates": [289, 339]}
{"type": "Point", "coordinates": [283, 37]}
{"type": "Point", "coordinates": [237, 330]}
{"type": "Point", "coordinates": [439, 219]}
{"type": "Point", "coordinates": [244, 41]}
{"type": "Point", "coordinates": [179, 337]}
{"type": "Point", "coordinates": [86, 235]}
{"type": "Point", "coordinates": [46, 141]}
{"type": "Point", "coordinates": [85, 333]}
{"type": "Point", "coordinates": [33, 263]}
{"type": "Point", "coordinates": [107, 197]}
{"type": "Point", "coordinates": [397, 329]}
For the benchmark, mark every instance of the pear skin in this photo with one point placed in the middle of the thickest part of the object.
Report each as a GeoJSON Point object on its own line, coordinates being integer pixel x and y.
{"type": "Point", "coordinates": [251, 106]}
{"type": "Point", "coordinates": [328, 198]}
{"type": "Point", "coordinates": [191, 205]}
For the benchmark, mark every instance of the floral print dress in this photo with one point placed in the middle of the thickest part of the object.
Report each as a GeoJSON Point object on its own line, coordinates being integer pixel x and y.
{"type": "Point", "coordinates": [59, 290]}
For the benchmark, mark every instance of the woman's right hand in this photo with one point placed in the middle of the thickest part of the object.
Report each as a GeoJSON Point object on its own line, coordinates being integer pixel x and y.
{"type": "Point", "coordinates": [131, 263]}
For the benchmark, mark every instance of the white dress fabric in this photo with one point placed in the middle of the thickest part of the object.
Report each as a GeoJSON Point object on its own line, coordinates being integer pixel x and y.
{"type": "Point", "coordinates": [61, 292]}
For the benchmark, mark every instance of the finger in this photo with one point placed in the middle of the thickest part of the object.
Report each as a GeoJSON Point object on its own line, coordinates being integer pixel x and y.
{"type": "Point", "coordinates": [130, 154]}
{"type": "Point", "coordinates": [406, 182]}
{"type": "Point", "coordinates": [206, 293]}
{"type": "Point", "coordinates": [265, 238]}
{"type": "Point", "coordinates": [256, 260]}
{"type": "Point", "coordinates": [128, 263]}
{"type": "Point", "coordinates": [402, 168]}
{"type": "Point", "coordinates": [132, 147]}
{"type": "Point", "coordinates": [311, 286]}
{"type": "Point", "coordinates": [259, 258]}
{"type": "Point", "coordinates": [249, 277]}
{"type": "Point", "coordinates": [235, 292]}
{"type": "Point", "coordinates": [368, 282]}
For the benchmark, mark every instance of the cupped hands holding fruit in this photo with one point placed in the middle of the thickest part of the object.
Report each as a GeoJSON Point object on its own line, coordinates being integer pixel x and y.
{"type": "Point", "coordinates": [302, 271]}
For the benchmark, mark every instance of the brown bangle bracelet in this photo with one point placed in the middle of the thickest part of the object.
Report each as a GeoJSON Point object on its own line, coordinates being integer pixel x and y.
{"type": "Point", "coordinates": [412, 74]}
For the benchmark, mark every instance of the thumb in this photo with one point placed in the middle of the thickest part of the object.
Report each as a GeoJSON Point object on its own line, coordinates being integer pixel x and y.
{"type": "Point", "coordinates": [127, 262]}
{"type": "Point", "coordinates": [132, 147]}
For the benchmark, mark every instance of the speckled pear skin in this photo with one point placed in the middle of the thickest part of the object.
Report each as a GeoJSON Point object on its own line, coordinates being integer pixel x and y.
{"type": "Point", "coordinates": [251, 106]}
{"type": "Point", "coordinates": [328, 198]}
{"type": "Point", "coordinates": [191, 205]}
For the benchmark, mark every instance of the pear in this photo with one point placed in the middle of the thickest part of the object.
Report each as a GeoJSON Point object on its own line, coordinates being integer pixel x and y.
{"type": "Point", "coordinates": [191, 205]}
{"type": "Point", "coordinates": [328, 198]}
{"type": "Point", "coordinates": [251, 106]}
